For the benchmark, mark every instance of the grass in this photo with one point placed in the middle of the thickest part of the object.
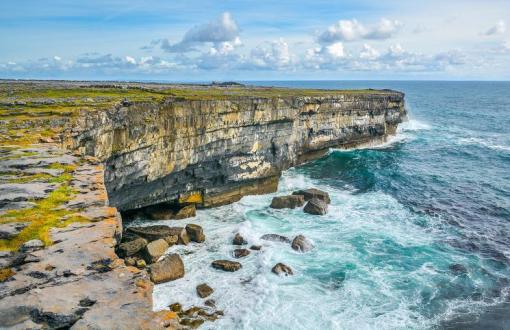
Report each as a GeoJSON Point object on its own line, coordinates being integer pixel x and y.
{"type": "Point", "coordinates": [46, 214]}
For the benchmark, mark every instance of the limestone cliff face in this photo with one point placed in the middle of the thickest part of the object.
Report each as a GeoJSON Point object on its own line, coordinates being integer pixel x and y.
{"type": "Point", "coordinates": [212, 152]}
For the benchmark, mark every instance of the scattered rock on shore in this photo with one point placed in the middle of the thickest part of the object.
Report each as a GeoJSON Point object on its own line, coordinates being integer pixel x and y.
{"type": "Point", "coordinates": [187, 211]}
{"type": "Point", "coordinates": [154, 250]}
{"type": "Point", "coordinates": [239, 240]}
{"type": "Point", "coordinates": [204, 290]}
{"type": "Point", "coordinates": [316, 207]}
{"type": "Point", "coordinates": [239, 253]}
{"type": "Point", "coordinates": [312, 193]}
{"type": "Point", "coordinates": [168, 269]}
{"type": "Point", "coordinates": [302, 244]}
{"type": "Point", "coordinates": [130, 248]}
{"type": "Point", "coordinates": [195, 233]}
{"type": "Point", "coordinates": [256, 247]}
{"type": "Point", "coordinates": [226, 265]}
{"type": "Point", "coordinates": [152, 233]}
{"type": "Point", "coordinates": [275, 238]}
{"type": "Point", "coordinates": [282, 269]}
{"type": "Point", "coordinates": [287, 202]}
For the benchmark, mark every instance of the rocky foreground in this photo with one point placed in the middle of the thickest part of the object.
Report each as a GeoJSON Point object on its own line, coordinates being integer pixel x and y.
{"type": "Point", "coordinates": [73, 153]}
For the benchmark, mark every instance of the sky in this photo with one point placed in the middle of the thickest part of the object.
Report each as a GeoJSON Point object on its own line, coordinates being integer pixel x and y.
{"type": "Point", "coordinates": [204, 40]}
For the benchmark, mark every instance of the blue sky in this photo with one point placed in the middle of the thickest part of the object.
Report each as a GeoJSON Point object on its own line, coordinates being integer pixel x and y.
{"type": "Point", "coordinates": [255, 40]}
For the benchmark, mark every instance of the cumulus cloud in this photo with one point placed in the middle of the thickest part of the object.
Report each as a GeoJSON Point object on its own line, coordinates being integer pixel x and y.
{"type": "Point", "coordinates": [272, 55]}
{"type": "Point", "coordinates": [499, 28]}
{"type": "Point", "coordinates": [352, 30]}
{"type": "Point", "coordinates": [223, 29]}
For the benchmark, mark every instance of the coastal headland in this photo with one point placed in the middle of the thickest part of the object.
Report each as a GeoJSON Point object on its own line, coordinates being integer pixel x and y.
{"type": "Point", "coordinates": [76, 158]}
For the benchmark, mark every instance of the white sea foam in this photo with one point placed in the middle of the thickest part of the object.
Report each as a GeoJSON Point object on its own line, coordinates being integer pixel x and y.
{"type": "Point", "coordinates": [489, 143]}
{"type": "Point", "coordinates": [347, 282]}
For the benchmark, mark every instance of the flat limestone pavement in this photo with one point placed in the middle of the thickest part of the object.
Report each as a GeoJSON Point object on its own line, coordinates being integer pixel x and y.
{"type": "Point", "coordinates": [78, 281]}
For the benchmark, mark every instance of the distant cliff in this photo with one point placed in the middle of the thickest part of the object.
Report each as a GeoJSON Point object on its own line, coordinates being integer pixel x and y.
{"type": "Point", "coordinates": [212, 149]}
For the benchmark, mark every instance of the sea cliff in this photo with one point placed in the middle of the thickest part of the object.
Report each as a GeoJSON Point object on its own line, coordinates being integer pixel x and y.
{"type": "Point", "coordinates": [73, 154]}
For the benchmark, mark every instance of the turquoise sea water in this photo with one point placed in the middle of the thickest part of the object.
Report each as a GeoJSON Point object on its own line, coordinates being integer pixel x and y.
{"type": "Point", "coordinates": [417, 235]}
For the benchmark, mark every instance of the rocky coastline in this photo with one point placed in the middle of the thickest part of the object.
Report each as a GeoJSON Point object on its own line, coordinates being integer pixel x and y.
{"type": "Point", "coordinates": [79, 157]}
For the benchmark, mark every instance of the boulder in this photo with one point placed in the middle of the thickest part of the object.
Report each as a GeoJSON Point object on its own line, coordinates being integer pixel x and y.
{"type": "Point", "coordinates": [282, 269]}
{"type": "Point", "coordinates": [168, 269]}
{"type": "Point", "coordinates": [256, 247]}
{"type": "Point", "coordinates": [275, 238]}
{"type": "Point", "coordinates": [302, 244]}
{"type": "Point", "coordinates": [195, 233]}
{"type": "Point", "coordinates": [182, 235]}
{"type": "Point", "coordinates": [32, 245]}
{"type": "Point", "coordinates": [287, 202]}
{"type": "Point", "coordinates": [239, 240]}
{"type": "Point", "coordinates": [239, 253]}
{"type": "Point", "coordinates": [172, 240]}
{"type": "Point", "coordinates": [316, 207]}
{"type": "Point", "coordinates": [204, 290]}
{"type": "Point", "coordinates": [226, 265]}
{"type": "Point", "coordinates": [176, 307]}
{"type": "Point", "coordinates": [312, 193]}
{"type": "Point", "coordinates": [130, 248]}
{"type": "Point", "coordinates": [187, 211]}
{"type": "Point", "coordinates": [210, 303]}
{"type": "Point", "coordinates": [154, 250]}
{"type": "Point", "coordinates": [152, 233]}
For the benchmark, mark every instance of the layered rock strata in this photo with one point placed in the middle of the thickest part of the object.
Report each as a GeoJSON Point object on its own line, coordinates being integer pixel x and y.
{"type": "Point", "coordinates": [214, 151]}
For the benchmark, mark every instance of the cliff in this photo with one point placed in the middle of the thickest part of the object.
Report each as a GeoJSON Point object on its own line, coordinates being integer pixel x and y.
{"type": "Point", "coordinates": [69, 151]}
{"type": "Point", "coordinates": [214, 150]}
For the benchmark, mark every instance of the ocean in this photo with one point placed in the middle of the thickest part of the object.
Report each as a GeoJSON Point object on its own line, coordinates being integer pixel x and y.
{"type": "Point", "coordinates": [417, 234]}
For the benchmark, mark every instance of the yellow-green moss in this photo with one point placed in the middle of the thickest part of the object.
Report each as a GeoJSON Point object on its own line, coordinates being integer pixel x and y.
{"type": "Point", "coordinates": [5, 274]}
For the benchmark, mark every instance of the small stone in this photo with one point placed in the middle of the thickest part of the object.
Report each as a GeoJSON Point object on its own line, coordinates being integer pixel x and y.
{"type": "Point", "coordinates": [130, 261]}
{"type": "Point", "coordinates": [204, 290]}
{"type": "Point", "coordinates": [168, 269]}
{"type": "Point", "coordinates": [256, 247]}
{"type": "Point", "coordinates": [193, 323]}
{"type": "Point", "coordinates": [176, 307]}
{"type": "Point", "coordinates": [187, 211]}
{"type": "Point", "coordinates": [275, 238]}
{"type": "Point", "coordinates": [130, 248]}
{"type": "Point", "coordinates": [171, 240]}
{"type": "Point", "coordinates": [154, 250]}
{"type": "Point", "coordinates": [239, 240]}
{"type": "Point", "coordinates": [239, 253]}
{"type": "Point", "coordinates": [282, 269]}
{"type": "Point", "coordinates": [226, 265]}
{"type": "Point", "coordinates": [140, 263]}
{"type": "Point", "coordinates": [287, 202]}
{"type": "Point", "coordinates": [87, 302]}
{"type": "Point", "coordinates": [195, 233]}
{"type": "Point", "coordinates": [210, 303]}
{"type": "Point", "coordinates": [316, 207]}
{"type": "Point", "coordinates": [312, 193]}
{"type": "Point", "coordinates": [302, 244]}
{"type": "Point", "coordinates": [32, 245]}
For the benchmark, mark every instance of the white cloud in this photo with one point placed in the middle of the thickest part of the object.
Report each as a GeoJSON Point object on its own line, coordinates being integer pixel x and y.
{"type": "Point", "coordinates": [352, 30]}
{"type": "Point", "coordinates": [273, 55]}
{"type": "Point", "coordinates": [223, 29]}
{"type": "Point", "coordinates": [499, 28]}
{"type": "Point", "coordinates": [369, 53]}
